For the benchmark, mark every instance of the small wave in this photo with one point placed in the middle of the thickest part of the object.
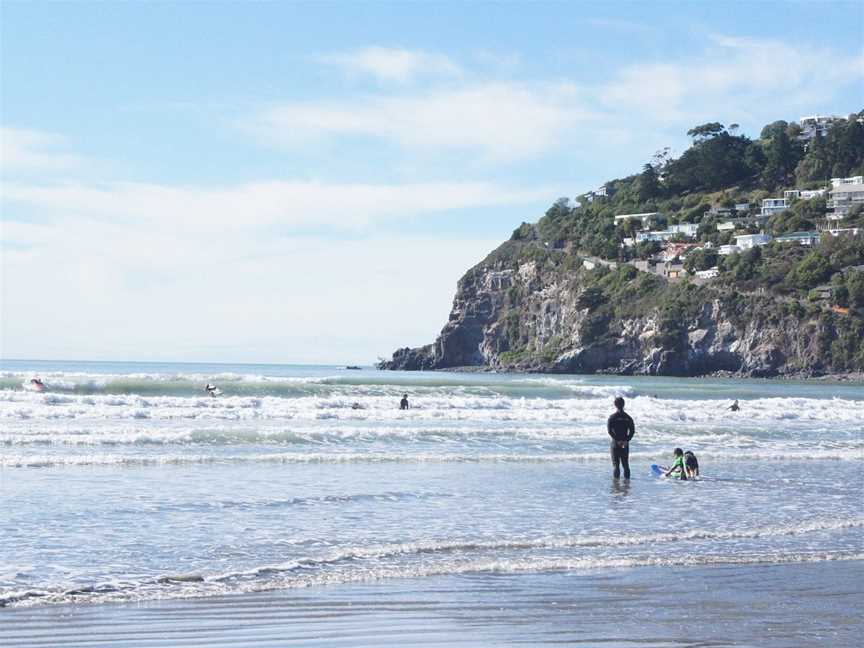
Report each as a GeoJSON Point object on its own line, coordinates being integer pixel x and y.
{"type": "Point", "coordinates": [354, 566]}
{"type": "Point", "coordinates": [122, 460]}
{"type": "Point", "coordinates": [253, 504]}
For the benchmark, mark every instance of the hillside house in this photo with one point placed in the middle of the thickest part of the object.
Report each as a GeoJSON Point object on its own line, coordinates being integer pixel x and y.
{"type": "Point", "coordinates": [646, 218]}
{"type": "Point", "coordinates": [676, 251]}
{"type": "Point", "coordinates": [728, 212]}
{"type": "Point", "coordinates": [801, 238]}
{"type": "Point", "coordinates": [771, 206]}
{"type": "Point", "coordinates": [845, 194]}
{"type": "Point", "coordinates": [747, 241]}
{"type": "Point", "coordinates": [803, 194]}
{"type": "Point", "coordinates": [854, 180]}
{"type": "Point", "coordinates": [710, 273]}
{"type": "Point", "coordinates": [814, 124]}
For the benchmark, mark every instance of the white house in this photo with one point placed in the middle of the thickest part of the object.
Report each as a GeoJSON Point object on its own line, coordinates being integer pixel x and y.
{"type": "Point", "coordinates": [725, 227]}
{"type": "Point", "coordinates": [801, 238]}
{"type": "Point", "coordinates": [772, 206]}
{"type": "Point", "coordinates": [803, 194]}
{"type": "Point", "coordinates": [737, 208]}
{"type": "Point", "coordinates": [850, 231]}
{"type": "Point", "coordinates": [843, 197]}
{"type": "Point", "coordinates": [603, 191]}
{"type": "Point", "coordinates": [854, 180]}
{"type": "Point", "coordinates": [645, 218]}
{"type": "Point", "coordinates": [685, 229]}
{"type": "Point", "coordinates": [710, 273]}
{"type": "Point", "coordinates": [653, 236]}
{"type": "Point", "coordinates": [725, 250]}
{"type": "Point", "coordinates": [747, 241]}
{"type": "Point", "coordinates": [816, 124]}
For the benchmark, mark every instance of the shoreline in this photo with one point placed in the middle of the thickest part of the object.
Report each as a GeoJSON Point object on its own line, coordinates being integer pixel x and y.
{"type": "Point", "coordinates": [767, 605]}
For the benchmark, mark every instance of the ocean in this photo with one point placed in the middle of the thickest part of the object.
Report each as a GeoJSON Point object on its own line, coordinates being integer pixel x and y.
{"type": "Point", "coordinates": [131, 496]}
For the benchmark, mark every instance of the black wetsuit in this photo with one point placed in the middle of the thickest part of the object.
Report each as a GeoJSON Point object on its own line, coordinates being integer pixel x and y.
{"type": "Point", "coordinates": [620, 427]}
{"type": "Point", "coordinates": [691, 461]}
{"type": "Point", "coordinates": [403, 404]}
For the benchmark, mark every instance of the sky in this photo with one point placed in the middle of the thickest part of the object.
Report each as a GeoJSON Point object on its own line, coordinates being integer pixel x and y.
{"type": "Point", "coordinates": [305, 182]}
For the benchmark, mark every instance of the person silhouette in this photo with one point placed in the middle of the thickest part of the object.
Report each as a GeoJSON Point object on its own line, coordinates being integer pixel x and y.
{"type": "Point", "coordinates": [621, 430]}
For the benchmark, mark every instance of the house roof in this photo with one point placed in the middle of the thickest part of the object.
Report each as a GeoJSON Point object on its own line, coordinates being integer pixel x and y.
{"type": "Point", "coordinates": [848, 188]}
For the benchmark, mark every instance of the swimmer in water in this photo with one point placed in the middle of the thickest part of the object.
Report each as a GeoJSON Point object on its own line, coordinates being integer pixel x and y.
{"type": "Point", "coordinates": [212, 390]}
{"type": "Point", "coordinates": [38, 385]}
{"type": "Point", "coordinates": [734, 407]}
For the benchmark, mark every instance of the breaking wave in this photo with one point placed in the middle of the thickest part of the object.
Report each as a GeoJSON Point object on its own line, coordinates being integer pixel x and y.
{"type": "Point", "coordinates": [447, 557]}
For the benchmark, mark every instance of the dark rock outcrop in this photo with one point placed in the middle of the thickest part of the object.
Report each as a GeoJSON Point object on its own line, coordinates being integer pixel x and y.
{"type": "Point", "coordinates": [512, 313]}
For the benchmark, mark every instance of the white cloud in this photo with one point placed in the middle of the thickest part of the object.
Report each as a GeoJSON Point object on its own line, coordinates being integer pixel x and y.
{"type": "Point", "coordinates": [393, 64]}
{"type": "Point", "coordinates": [32, 150]}
{"type": "Point", "coordinates": [496, 121]}
{"type": "Point", "coordinates": [102, 290]}
{"type": "Point", "coordinates": [742, 80]}
{"type": "Point", "coordinates": [287, 204]}
{"type": "Point", "coordinates": [736, 78]}
{"type": "Point", "coordinates": [150, 271]}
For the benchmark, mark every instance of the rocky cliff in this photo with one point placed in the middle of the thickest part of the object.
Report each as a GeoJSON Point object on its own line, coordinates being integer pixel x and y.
{"type": "Point", "coordinates": [530, 308]}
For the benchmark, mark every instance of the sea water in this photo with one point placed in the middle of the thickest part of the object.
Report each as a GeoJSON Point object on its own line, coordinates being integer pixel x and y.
{"type": "Point", "coordinates": [128, 482]}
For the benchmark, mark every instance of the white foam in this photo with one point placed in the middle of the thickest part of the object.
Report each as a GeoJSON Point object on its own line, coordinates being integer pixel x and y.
{"type": "Point", "coordinates": [355, 566]}
{"type": "Point", "coordinates": [30, 460]}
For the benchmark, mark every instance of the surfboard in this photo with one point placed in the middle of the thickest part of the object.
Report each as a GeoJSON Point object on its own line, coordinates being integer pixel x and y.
{"type": "Point", "coordinates": [660, 471]}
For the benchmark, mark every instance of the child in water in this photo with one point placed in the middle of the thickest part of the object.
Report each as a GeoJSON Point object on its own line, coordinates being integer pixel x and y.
{"type": "Point", "coordinates": [677, 469]}
{"type": "Point", "coordinates": [691, 464]}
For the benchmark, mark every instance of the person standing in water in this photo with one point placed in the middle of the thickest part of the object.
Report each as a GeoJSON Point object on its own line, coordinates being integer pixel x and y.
{"type": "Point", "coordinates": [621, 430]}
{"type": "Point", "coordinates": [403, 404]}
{"type": "Point", "coordinates": [734, 407]}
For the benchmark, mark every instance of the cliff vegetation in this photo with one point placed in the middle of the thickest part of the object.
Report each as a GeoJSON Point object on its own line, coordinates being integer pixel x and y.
{"type": "Point", "coordinates": [579, 292]}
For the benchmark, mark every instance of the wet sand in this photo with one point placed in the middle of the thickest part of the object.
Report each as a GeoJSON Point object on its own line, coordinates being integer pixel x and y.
{"type": "Point", "coordinates": [759, 606]}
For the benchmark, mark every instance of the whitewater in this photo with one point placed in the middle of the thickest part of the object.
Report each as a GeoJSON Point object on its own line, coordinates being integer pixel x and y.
{"type": "Point", "coordinates": [127, 482]}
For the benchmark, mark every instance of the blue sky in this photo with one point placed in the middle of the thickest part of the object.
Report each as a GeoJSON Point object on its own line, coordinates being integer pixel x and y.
{"type": "Point", "coordinates": [302, 182]}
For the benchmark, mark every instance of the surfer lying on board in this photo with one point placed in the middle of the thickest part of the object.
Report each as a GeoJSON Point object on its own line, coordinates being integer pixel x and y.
{"type": "Point", "coordinates": [213, 390]}
{"type": "Point", "coordinates": [38, 385]}
{"type": "Point", "coordinates": [677, 469]}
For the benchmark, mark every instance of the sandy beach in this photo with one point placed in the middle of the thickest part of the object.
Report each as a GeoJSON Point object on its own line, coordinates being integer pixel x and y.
{"type": "Point", "coordinates": [757, 606]}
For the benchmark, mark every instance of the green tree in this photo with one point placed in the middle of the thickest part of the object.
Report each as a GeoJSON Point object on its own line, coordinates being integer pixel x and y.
{"type": "Point", "coordinates": [700, 260]}
{"type": "Point", "coordinates": [811, 271]}
{"type": "Point", "coordinates": [781, 158]}
{"type": "Point", "coordinates": [649, 183]}
{"type": "Point", "coordinates": [705, 131]}
{"type": "Point", "coordinates": [855, 287]}
{"type": "Point", "coordinates": [816, 164]}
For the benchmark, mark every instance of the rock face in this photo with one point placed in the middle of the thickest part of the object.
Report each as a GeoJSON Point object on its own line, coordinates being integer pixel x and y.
{"type": "Point", "coordinates": [521, 315]}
